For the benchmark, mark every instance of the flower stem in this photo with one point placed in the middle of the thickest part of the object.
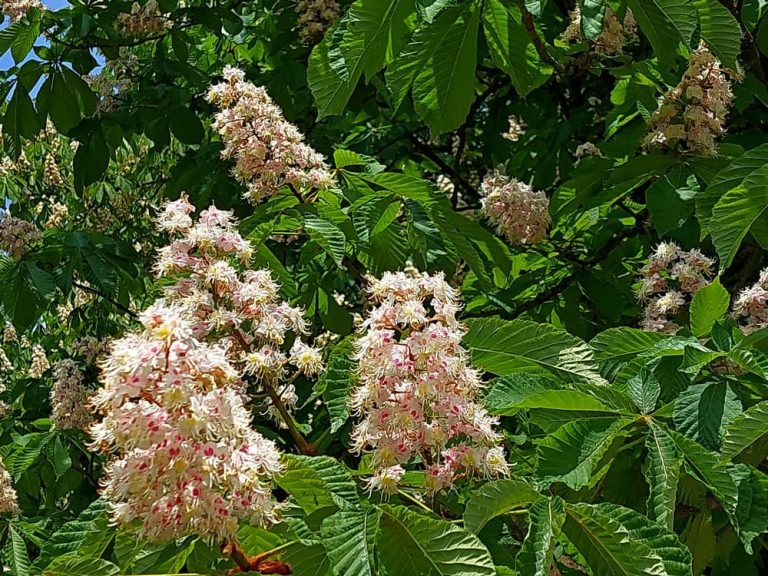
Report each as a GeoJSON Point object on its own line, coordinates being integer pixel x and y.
{"type": "Point", "coordinates": [416, 501]}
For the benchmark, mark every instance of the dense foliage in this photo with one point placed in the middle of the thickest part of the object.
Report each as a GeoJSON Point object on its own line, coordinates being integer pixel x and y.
{"type": "Point", "coordinates": [402, 287]}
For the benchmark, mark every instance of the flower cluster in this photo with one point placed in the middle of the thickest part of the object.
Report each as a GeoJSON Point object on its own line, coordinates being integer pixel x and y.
{"type": "Point", "coordinates": [17, 9]}
{"type": "Point", "coordinates": [587, 149]}
{"type": "Point", "coordinates": [5, 366]}
{"type": "Point", "coordinates": [268, 150]}
{"type": "Point", "coordinates": [69, 397]}
{"type": "Point", "coordinates": [694, 112]}
{"type": "Point", "coordinates": [8, 499]}
{"type": "Point", "coordinates": [39, 365]}
{"type": "Point", "coordinates": [516, 129]}
{"type": "Point", "coordinates": [186, 460]}
{"type": "Point", "coordinates": [9, 333]}
{"type": "Point", "coordinates": [17, 235]}
{"type": "Point", "coordinates": [58, 215]}
{"type": "Point", "coordinates": [615, 35]}
{"type": "Point", "coordinates": [671, 276]}
{"type": "Point", "coordinates": [114, 80]}
{"type": "Point", "coordinates": [417, 395]}
{"type": "Point", "coordinates": [751, 305]}
{"type": "Point", "coordinates": [519, 213]}
{"type": "Point", "coordinates": [242, 308]}
{"type": "Point", "coordinates": [315, 17]}
{"type": "Point", "coordinates": [89, 348]}
{"type": "Point", "coordinates": [141, 21]}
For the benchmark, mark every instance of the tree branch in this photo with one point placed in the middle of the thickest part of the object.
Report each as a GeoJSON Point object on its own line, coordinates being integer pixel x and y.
{"type": "Point", "coordinates": [103, 296]}
{"type": "Point", "coordinates": [544, 54]}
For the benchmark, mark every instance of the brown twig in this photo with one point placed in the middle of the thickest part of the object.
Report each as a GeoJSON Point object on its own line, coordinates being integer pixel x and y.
{"type": "Point", "coordinates": [101, 294]}
{"type": "Point", "coordinates": [541, 49]}
{"type": "Point", "coordinates": [301, 443]}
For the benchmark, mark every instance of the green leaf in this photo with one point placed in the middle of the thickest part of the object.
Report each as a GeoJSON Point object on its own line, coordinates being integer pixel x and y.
{"type": "Point", "coordinates": [703, 411]}
{"type": "Point", "coordinates": [666, 23]}
{"type": "Point", "coordinates": [511, 47]}
{"type": "Point", "coordinates": [443, 89]}
{"type": "Point", "coordinates": [74, 566]}
{"type": "Point", "coordinates": [91, 159]}
{"type": "Point", "coordinates": [719, 30]}
{"type": "Point", "coordinates": [662, 474]}
{"type": "Point", "coordinates": [546, 520]}
{"type": "Point", "coordinates": [186, 126]}
{"type": "Point", "coordinates": [410, 543]}
{"type": "Point", "coordinates": [615, 347]}
{"type": "Point", "coordinates": [496, 499]}
{"type": "Point", "coordinates": [736, 212]}
{"type": "Point", "coordinates": [592, 16]}
{"type": "Point", "coordinates": [571, 454]}
{"type": "Point", "coordinates": [509, 394]}
{"type": "Point", "coordinates": [318, 482]}
{"type": "Point", "coordinates": [24, 39]}
{"type": "Point", "coordinates": [367, 36]}
{"type": "Point", "coordinates": [506, 346]}
{"type": "Point", "coordinates": [709, 305]}
{"type": "Point", "coordinates": [745, 430]}
{"type": "Point", "coordinates": [663, 542]}
{"type": "Point", "coordinates": [607, 546]}
{"type": "Point", "coordinates": [15, 553]}
{"type": "Point", "coordinates": [20, 120]}
{"type": "Point", "coordinates": [350, 537]}
{"type": "Point", "coordinates": [88, 533]}
{"type": "Point", "coordinates": [644, 389]}
{"type": "Point", "coordinates": [727, 179]}
{"type": "Point", "coordinates": [336, 382]}
{"type": "Point", "coordinates": [330, 237]}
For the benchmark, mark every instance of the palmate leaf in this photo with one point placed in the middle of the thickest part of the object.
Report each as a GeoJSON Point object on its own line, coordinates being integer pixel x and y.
{"type": "Point", "coordinates": [443, 90]}
{"type": "Point", "coordinates": [644, 389]}
{"type": "Point", "coordinates": [369, 33]}
{"type": "Point", "coordinates": [318, 482]}
{"type": "Point", "coordinates": [496, 499]}
{"type": "Point", "coordinates": [702, 411]}
{"type": "Point", "coordinates": [607, 546]}
{"type": "Point", "coordinates": [15, 554]}
{"type": "Point", "coordinates": [727, 179]}
{"type": "Point", "coordinates": [506, 346]}
{"type": "Point", "coordinates": [592, 16]}
{"type": "Point", "coordinates": [708, 306]}
{"type": "Point", "coordinates": [523, 391]}
{"type": "Point", "coordinates": [736, 212]}
{"type": "Point", "coordinates": [662, 475]}
{"type": "Point", "coordinates": [546, 520]}
{"type": "Point", "coordinates": [88, 534]}
{"type": "Point", "coordinates": [719, 30]}
{"type": "Point", "coordinates": [336, 381]}
{"type": "Point", "coordinates": [349, 536]}
{"type": "Point", "coordinates": [745, 431]}
{"type": "Point", "coordinates": [511, 47]}
{"type": "Point", "coordinates": [663, 542]}
{"type": "Point", "coordinates": [571, 454]}
{"type": "Point", "coordinates": [666, 23]}
{"type": "Point", "coordinates": [75, 566]}
{"type": "Point", "coordinates": [438, 64]}
{"type": "Point", "coordinates": [615, 347]}
{"type": "Point", "coordinates": [309, 560]}
{"type": "Point", "coordinates": [410, 543]}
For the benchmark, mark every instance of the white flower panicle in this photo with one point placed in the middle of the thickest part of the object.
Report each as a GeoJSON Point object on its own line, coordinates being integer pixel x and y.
{"type": "Point", "coordinates": [39, 365]}
{"type": "Point", "coordinates": [69, 397]}
{"type": "Point", "coordinates": [17, 236]}
{"type": "Point", "coordinates": [668, 280]}
{"type": "Point", "coordinates": [751, 305]}
{"type": "Point", "coordinates": [614, 37]}
{"type": "Point", "coordinates": [241, 308]}
{"type": "Point", "coordinates": [5, 367]}
{"type": "Point", "coordinates": [694, 112]}
{"type": "Point", "coordinates": [587, 149]}
{"type": "Point", "coordinates": [185, 459]}
{"type": "Point", "coordinates": [9, 333]}
{"type": "Point", "coordinates": [142, 20]}
{"type": "Point", "coordinates": [315, 17]}
{"type": "Point", "coordinates": [17, 9]}
{"type": "Point", "coordinates": [8, 499]}
{"type": "Point", "coordinates": [58, 215]}
{"type": "Point", "coordinates": [269, 151]}
{"type": "Point", "coordinates": [519, 213]}
{"type": "Point", "coordinates": [417, 394]}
